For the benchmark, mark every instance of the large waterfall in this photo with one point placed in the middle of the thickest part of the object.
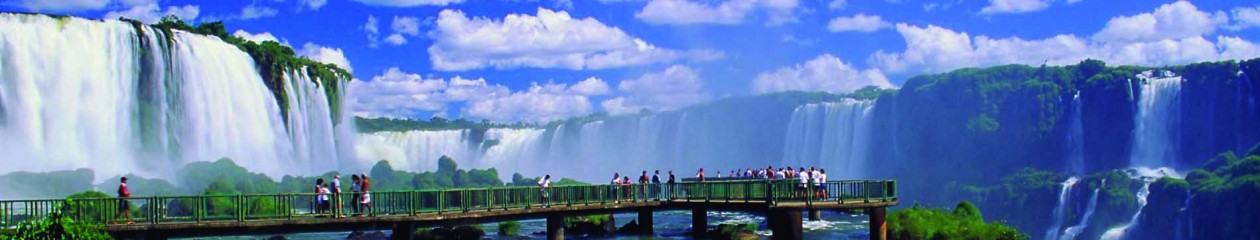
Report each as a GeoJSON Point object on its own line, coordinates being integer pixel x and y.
{"type": "Point", "coordinates": [119, 98]}
{"type": "Point", "coordinates": [1156, 134]}
{"type": "Point", "coordinates": [1053, 232]}
{"type": "Point", "coordinates": [831, 135]}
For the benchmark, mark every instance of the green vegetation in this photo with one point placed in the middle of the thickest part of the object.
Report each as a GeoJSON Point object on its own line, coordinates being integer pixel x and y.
{"type": "Point", "coordinates": [509, 228]}
{"type": "Point", "coordinates": [54, 184]}
{"type": "Point", "coordinates": [734, 231]}
{"type": "Point", "coordinates": [964, 222]}
{"type": "Point", "coordinates": [520, 180]}
{"type": "Point", "coordinates": [59, 225]}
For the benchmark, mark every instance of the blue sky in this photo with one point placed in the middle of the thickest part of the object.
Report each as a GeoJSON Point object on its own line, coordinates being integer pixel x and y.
{"type": "Point", "coordinates": [542, 60]}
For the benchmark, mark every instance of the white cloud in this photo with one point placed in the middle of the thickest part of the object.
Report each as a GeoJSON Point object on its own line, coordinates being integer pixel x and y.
{"type": "Point", "coordinates": [151, 13]}
{"type": "Point", "coordinates": [313, 4]}
{"type": "Point", "coordinates": [259, 37]}
{"type": "Point", "coordinates": [550, 39]}
{"type": "Point", "coordinates": [1174, 20]}
{"type": "Point", "coordinates": [61, 5]}
{"type": "Point", "coordinates": [406, 25]}
{"type": "Point", "coordinates": [253, 11]}
{"type": "Point", "coordinates": [676, 87]}
{"type": "Point", "coordinates": [726, 12]}
{"type": "Point", "coordinates": [590, 87]}
{"type": "Point", "coordinates": [857, 23]}
{"type": "Point", "coordinates": [837, 4]}
{"type": "Point", "coordinates": [1245, 17]}
{"type": "Point", "coordinates": [326, 55]}
{"type": "Point", "coordinates": [1014, 6]}
{"type": "Point", "coordinates": [824, 73]}
{"type": "Point", "coordinates": [541, 103]}
{"type": "Point", "coordinates": [408, 3]}
{"type": "Point", "coordinates": [934, 49]}
{"type": "Point", "coordinates": [399, 94]}
{"type": "Point", "coordinates": [396, 39]}
{"type": "Point", "coordinates": [373, 31]}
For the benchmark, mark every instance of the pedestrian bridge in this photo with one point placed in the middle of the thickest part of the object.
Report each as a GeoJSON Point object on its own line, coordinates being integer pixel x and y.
{"type": "Point", "coordinates": [161, 217]}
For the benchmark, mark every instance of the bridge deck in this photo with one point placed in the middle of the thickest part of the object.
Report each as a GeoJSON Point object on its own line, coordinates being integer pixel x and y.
{"type": "Point", "coordinates": [281, 213]}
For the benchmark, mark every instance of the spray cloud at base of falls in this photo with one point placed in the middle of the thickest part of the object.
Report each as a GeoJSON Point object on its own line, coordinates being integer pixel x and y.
{"type": "Point", "coordinates": [121, 98]}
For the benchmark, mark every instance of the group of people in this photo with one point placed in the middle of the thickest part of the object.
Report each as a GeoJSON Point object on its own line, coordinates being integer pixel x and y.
{"type": "Point", "coordinates": [817, 177]}
{"type": "Point", "coordinates": [648, 186]}
{"type": "Point", "coordinates": [328, 195]}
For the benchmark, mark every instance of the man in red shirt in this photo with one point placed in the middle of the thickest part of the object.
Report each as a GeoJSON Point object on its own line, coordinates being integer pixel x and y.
{"type": "Point", "coordinates": [124, 207]}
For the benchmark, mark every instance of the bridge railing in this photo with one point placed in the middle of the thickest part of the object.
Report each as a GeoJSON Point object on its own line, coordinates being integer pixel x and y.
{"type": "Point", "coordinates": [170, 209]}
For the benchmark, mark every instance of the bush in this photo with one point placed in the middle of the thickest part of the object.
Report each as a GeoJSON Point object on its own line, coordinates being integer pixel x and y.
{"type": "Point", "coordinates": [59, 225]}
{"type": "Point", "coordinates": [509, 228]}
{"type": "Point", "coordinates": [965, 222]}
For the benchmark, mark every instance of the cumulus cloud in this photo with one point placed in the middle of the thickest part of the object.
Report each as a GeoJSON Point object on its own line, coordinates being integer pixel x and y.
{"type": "Point", "coordinates": [313, 4]}
{"type": "Point", "coordinates": [729, 12]}
{"type": "Point", "coordinates": [678, 86]}
{"type": "Point", "coordinates": [253, 11]}
{"type": "Point", "coordinates": [857, 23]}
{"type": "Point", "coordinates": [541, 103]}
{"type": "Point", "coordinates": [258, 37]}
{"type": "Point", "coordinates": [824, 73]}
{"type": "Point", "coordinates": [1014, 6]}
{"type": "Point", "coordinates": [402, 27]}
{"type": "Point", "coordinates": [408, 3]}
{"type": "Point", "coordinates": [1174, 20]}
{"type": "Point", "coordinates": [1245, 17]}
{"type": "Point", "coordinates": [326, 55]}
{"type": "Point", "coordinates": [151, 13]}
{"type": "Point", "coordinates": [549, 39]}
{"type": "Point", "coordinates": [395, 93]}
{"type": "Point", "coordinates": [1173, 34]}
{"type": "Point", "coordinates": [837, 4]}
{"type": "Point", "coordinates": [373, 31]}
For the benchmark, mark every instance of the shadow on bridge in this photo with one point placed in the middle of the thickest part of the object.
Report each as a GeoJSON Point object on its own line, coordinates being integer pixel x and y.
{"type": "Point", "coordinates": [783, 202]}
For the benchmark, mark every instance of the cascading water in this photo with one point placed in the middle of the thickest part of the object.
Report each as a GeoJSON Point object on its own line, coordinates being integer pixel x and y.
{"type": "Point", "coordinates": [1053, 232]}
{"type": "Point", "coordinates": [1156, 135]}
{"type": "Point", "coordinates": [832, 135]}
{"type": "Point", "coordinates": [1076, 138]}
{"type": "Point", "coordinates": [1119, 232]}
{"type": "Point", "coordinates": [1071, 232]}
{"type": "Point", "coordinates": [119, 98]}
{"type": "Point", "coordinates": [415, 149]}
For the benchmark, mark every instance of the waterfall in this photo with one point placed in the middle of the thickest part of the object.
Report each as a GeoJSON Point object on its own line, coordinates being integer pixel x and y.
{"type": "Point", "coordinates": [1053, 232]}
{"type": "Point", "coordinates": [515, 150]}
{"type": "Point", "coordinates": [1183, 215]}
{"type": "Point", "coordinates": [1076, 138]}
{"type": "Point", "coordinates": [830, 135]}
{"type": "Point", "coordinates": [119, 98]}
{"type": "Point", "coordinates": [1071, 232]}
{"type": "Point", "coordinates": [415, 149]}
{"type": "Point", "coordinates": [1119, 232]}
{"type": "Point", "coordinates": [1156, 134]}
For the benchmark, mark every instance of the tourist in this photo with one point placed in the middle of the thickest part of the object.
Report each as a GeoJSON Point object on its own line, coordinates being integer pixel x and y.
{"type": "Point", "coordinates": [700, 175]}
{"type": "Point", "coordinates": [324, 192]}
{"type": "Point", "coordinates": [822, 179]}
{"type": "Point", "coordinates": [357, 192]}
{"type": "Point", "coordinates": [671, 182]}
{"type": "Point", "coordinates": [124, 206]}
{"type": "Point", "coordinates": [656, 184]}
{"type": "Point", "coordinates": [804, 187]}
{"type": "Point", "coordinates": [625, 187]}
{"type": "Point", "coordinates": [612, 189]}
{"type": "Point", "coordinates": [336, 195]}
{"type": "Point", "coordinates": [543, 185]}
{"type": "Point", "coordinates": [367, 195]}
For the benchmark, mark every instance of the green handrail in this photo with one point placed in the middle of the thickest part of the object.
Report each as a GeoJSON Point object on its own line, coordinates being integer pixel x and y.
{"type": "Point", "coordinates": [245, 207]}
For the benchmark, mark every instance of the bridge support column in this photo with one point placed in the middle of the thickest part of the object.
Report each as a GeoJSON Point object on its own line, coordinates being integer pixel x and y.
{"type": "Point", "coordinates": [815, 215]}
{"type": "Point", "coordinates": [699, 221]}
{"type": "Point", "coordinates": [785, 224]}
{"type": "Point", "coordinates": [879, 226]}
{"type": "Point", "coordinates": [645, 221]}
{"type": "Point", "coordinates": [555, 227]}
{"type": "Point", "coordinates": [403, 231]}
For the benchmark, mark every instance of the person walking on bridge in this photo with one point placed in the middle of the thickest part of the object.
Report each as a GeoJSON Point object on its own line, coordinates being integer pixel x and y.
{"type": "Point", "coordinates": [336, 195]}
{"type": "Point", "coordinates": [356, 189]}
{"type": "Point", "coordinates": [543, 185]}
{"type": "Point", "coordinates": [367, 196]}
{"type": "Point", "coordinates": [124, 206]}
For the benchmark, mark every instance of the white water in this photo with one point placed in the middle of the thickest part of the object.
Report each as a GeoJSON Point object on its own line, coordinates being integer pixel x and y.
{"type": "Point", "coordinates": [1076, 138]}
{"type": "Point", "coordinates": [1053, 232]}
{"type": "Point", "coordinates": [832, 134]}
{"type": "Point", "coordinates": [1119, 232]}
{"type": "Point", "coordinates": [1156, 135]}
{"type": "Point", "coordinates": [1071, 232]}
{"type": "Point", "coordinates": [414, 149]}
{"type": "Point", "coordinates": [99, 94]}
